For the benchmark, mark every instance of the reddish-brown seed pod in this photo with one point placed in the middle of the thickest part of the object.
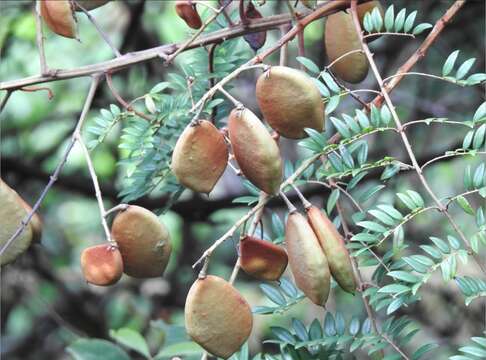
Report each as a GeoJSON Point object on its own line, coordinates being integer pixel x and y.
{"type": "Point", "coordinates": [340, 39]}
{"type": "Point", "coordinates": [217, 317]}
{"type": "Point", "coordinates": [262, 259]}
{"type": "Point", "coordinates": [59, 17]}
{"type": "Point", "coordinates": [256, 152]}
{"type": "Point", "coordinates": [290, 101]}
{"type": "Point", "coordinates": [200, 157]}
{"type": "Point", "coordinates": [255, 40]}
{"type": "Point", "coordinates": [12, 212]}
{"type": "Point", "coordinates": [143, 241]}
{"type": "Point", "coordinates": [102, 265]}
{"type": "Point", "coordinates": [91, 4]}
{"type": "Point", "coordinates": [334, 248]}
{"type": "Point", "coordinates": [187, 12]}
{"type": "Point", "coordinates": [307, 259]}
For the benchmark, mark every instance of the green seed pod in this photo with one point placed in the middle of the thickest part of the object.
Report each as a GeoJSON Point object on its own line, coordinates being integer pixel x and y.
{"type": "Point", "coordinates": [256, 152]}
{"type": "Point", "coordinates": [290, 101]}
{"type": "Point", "coordinates": [217, 317]}
{"type": "Point", "coordinates": [307, 259]}
{"type": "Point", "coordinates": [59, 17]}
{"type": "Point", "coordinates": [334, 248]}
{"type": "Point", "coordinates": [91, 4]}
{"type": "Point", "coordinates": [200, 157]}
{"type": "Point", "coordinates": [143, 241]}
{"type": "Point", "coordinates": [12, 212]}
{"type": "Point", "coordinates": [262, 259]}
{"type": "Point", "coordinates": [102, 265]}
{"type": "Point", "coordinates": [341, 38]}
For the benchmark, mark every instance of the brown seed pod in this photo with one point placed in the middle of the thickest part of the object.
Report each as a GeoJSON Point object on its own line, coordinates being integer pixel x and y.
{"type": "Point", "coordinates": [91, 4]}
{"type": "Point", "coordinates": [334, 248]}
{"type": "Point", "coordinates": [143, 241]}
{"type": "Point", "coordinates": [187, 12]}
{"type": "Point", "coordinates": [102, 265]}
{"type": "Point", "coordinates": [59, 17]}
{"type": "Point", "coordinates": [12, 212]}
{"type": "Point", "coordinates": [306, 259]}
{"type": "Point", "coordinates": [256, 152]}
{"type": "Point", "coordinates": [200, 157]}
{"type": "Point", "coordinates": [262, 259]}
{"type": "Point", "coordinates": [290, 101]}
{"type": "Point", "coordinates": [341, 38]}
{"type": "Point", "coordinates": [217, 317]}
{"type": "Point", "coordinates": [255, 40]}
{"type": "Point", "coordinates": [368, 7]}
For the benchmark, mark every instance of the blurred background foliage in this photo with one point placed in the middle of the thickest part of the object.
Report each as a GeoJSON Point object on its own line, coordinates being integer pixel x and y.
{"type": "Point", "coordinates": [45, 302]}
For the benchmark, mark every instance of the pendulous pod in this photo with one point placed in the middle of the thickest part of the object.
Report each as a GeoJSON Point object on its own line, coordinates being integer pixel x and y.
{"type": "Point", "coordinates": [12, 212]}
{"type": "Point", "coordinates": [102, 265]}
{"type": "Point", "coordinates": [217, 317]}
{"type": "Point", "coordinates": [262, 259]}
{"type": "Point", "coordinates": [143, 241]}
{"type": "Point", "coordinates": [200, 156]}
{"type": "Point", "coordinates": [59, 17]}
{"type": "Point", "coordinates": [91, 4]}
{"type": "Point", "coordinates": [307, 259]}
{"type": "Point", "coordinates": [334, 247]}
{"type": "Point", "coordinates": [256, 152]}
{"type": "Point", "coordinates": [187, 11]}
{"type": "Point", "coordinates": [290, 101]}
{"type": "Point", "coordinates": [341, 38]}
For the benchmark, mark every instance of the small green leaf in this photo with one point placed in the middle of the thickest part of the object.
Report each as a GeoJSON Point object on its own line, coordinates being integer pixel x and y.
{"type": "Point", "coordinates": [273, 294]}
{"type": "Point", "coordinates": [341, 127]}
{"type": "Point", "coordinates": [331, 202]}
{"type": "Point", "coordinates": [309, 64]}
{"type": "Point", "coordinates": [479, 137]}
{"type": "Point", "coordinates": [95, 349]}
{"type": "Point", "coordinates": [409, 21]}
{"type": "Point", "coordinates": [332, 104]}
{"type": "Point", "coordinates": [420, 28]}
{"type": "Point", "coordinates": [377, 19]}
{"type": "Point", "coordinates": [464, 68]}
{"type": "Point", "coordinates": [480, 112]}
{"type": "Point", "coordinates": [449, 63]}
{"type": "Point", "coordinates": [464, 204]}
{"type": "Point", "coordinates": [389, 18]}
{"type": "Point", "coordinates": [399, 20]}
{"type": "Point", "coordinates": [131, 339]}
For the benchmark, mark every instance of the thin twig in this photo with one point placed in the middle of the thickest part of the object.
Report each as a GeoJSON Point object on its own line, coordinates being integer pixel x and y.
{"type": "Point", "coordinates": [105, 37]}
{"type": "Point", "coordinates": [50, 94]}
{"type": "Point", "coordinates": [39, 38]}
{"type": "Point", "coordinates": [388, 33]}
{"type": "Point", "coordinates": [87, 105]}
{"type": "Point", "coordinates": [229, 96]}
{"type": "Point", "coordinates": [5, 100]}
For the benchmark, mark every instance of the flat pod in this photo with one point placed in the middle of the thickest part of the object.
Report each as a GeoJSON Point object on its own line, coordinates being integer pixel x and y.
{"type": "Point", "coordinates": [59, 17]}
{"type": "Point", "coordinates": [306, 259]}
{"type": "Point", "coordinates": [102, 265]}
{"type": "Point", "coordinates": [187, 12]}
{"type": "Point", "coordinates": [262, 259]}
{"type": "Point", "coordinates": [143, 241]}
{"type": "Point", "coordinates": [255, 150]}
{"type": "Point", "coordinates": [12, 212]}
{"type": "Point", "coordinates": [290, 101]}
{"type": "Point", "coordinates": [341, 38]}
{"type": "Point", "coordinates": [334, 248]}
{"type": "Point", "coordinates": [217, 317]}
{"type": "Point", "coordinates": [200, 157]}
{"type": "Point", "coordinates": [91, 4]}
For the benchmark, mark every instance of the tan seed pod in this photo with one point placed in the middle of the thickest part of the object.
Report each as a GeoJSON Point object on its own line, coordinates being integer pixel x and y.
{"type": "Point", "coordinates": [91, 4]}
{"type": "Point", "coordinates": [290, 101]}
{"type": "Point", "coordinates": [334, 248]}
{"type": "Point", "coordinates": [262, 259]}
{"type": "Point", "coordinates": [187, 12]}
{"type": "Point", "coordinates": [12, 212]}
{"type": "Point", "coordinates": [341, 38]}
{"type": "Point", "coordinates": [200, 157]}
{"type": "Point", "coordinates": [59, 17]}
{"type": "Point", "coordinates": [256, 152]}
{"type": "Point", "coordinates": [143, 241]}
{"type": "Point", "coordinates": [102, 265]}
{"type": "Point", "coordinates": [217, 317]}
{"type": "Point", "coordinates": [307, 259]}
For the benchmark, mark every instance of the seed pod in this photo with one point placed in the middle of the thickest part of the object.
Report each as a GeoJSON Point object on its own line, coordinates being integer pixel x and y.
{"type": "Point", "coordinates": [91, 4]}
{"type": "Point", "coordinates": [255, 40]}
{"type": "Point", "coordinates": [256, 152]}
{"type": "Point", "coordinates": [306, 259]}
{"type": "Point", "coordinates": [200, 157]}
{"type": "Point", "coordinates": [334, 248]}
{"type": "Point", "coordinates": [187, 12]}
{"type": "Point", "coordinates": [143, 241]}
{"type": "Point", "coordinates": [102, 265]}
{"type": "Point", "coordinates": [217, 317]}
{"type": "Point", "coordinates": [12, 212]}
{"type": "Point", "coordinates": [290, 101]}
{"type": "Point", "coordinates": [368, 7]}
{"type": "Point", "coordinates": [341, 38]}
{"type": "Point", "coordinates": [262, 259]}
{"type": "Point", "coordinates": [59, 17]}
